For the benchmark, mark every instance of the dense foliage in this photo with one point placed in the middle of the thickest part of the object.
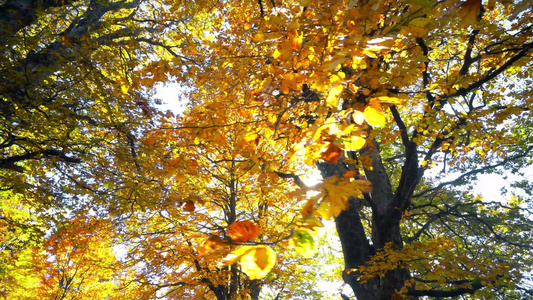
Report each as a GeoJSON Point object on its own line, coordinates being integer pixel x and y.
{"type": "Point", "coordinates": [398, 104]}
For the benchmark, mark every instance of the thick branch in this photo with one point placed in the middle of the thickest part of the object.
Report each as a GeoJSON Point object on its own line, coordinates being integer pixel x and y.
{"type": "Point", "coordinates": [296, 178]}
{"type": "Point", "coordinates": [401, 126]}
{"type": "Point", "coordinates": [9, 163]}
{"type": "Point", "coordinates": [468, 54]}
{"type": "Point", "coordinates": [17, 14]}
{"type": "Point", "coordinates": [425, 73]}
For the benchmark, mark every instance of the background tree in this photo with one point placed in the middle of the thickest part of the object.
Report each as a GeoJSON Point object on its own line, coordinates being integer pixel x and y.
{"type": "Point", "coordinates": [76, 94]}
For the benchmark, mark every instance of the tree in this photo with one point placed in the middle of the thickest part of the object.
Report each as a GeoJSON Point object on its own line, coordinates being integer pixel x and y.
{"type": "Point", "coordinates": [210, 202]}
{"type": "Point", "coordinates": [411, 84]}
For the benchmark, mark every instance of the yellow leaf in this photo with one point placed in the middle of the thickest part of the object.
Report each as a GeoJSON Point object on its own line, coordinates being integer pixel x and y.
{"type": "Point", "coordinates": [251, 136]}
{"type": "Point", "coordinates": [124, 89]}
{"type": "Point", "coordinates": [338, 190]}
{"type": "Point", "coordinates": [258, 37]}
{"type": "Point", "coordinates": [391, 100]}
{"type": "Point", "coordinates": [374, 117]}
{"type": "Point", "coordinates": [333, 96]}
{"type": "Point", "coordinates": [357, 117]}
{"type": "Point", "coordinates": [354, 143]}
{"type": "Point", "coordinates": [348, 129]}
{"type": "Point", "coordinates": [256, 261]}
{"type": "Point", "coordinates": [276, 54]}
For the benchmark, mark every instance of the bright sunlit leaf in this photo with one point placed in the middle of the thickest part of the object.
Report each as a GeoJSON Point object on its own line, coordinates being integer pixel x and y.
{"type": "Point", "coordinates": [255, 261]}
{"type": "Point", "coordinates": [333, 95]}
{"type": "Point", "coordinates": [374, 116]}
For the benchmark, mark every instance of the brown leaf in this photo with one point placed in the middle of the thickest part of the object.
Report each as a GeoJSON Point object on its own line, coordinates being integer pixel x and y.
{"type": "Point", "coordinates": [189, 206]}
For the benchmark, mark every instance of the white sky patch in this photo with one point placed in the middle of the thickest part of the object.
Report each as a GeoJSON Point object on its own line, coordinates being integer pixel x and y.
{"type": "Point", "coordinates": [172, 96]}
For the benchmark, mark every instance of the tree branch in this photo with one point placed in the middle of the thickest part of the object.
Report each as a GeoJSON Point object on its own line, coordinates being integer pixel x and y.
{"type": "Point", "coordinates": [468, 54]}
{"type": "Point", "coordinates": [9, 163]}
{"type": "Point", "coordinates": [463, 91]}
{"type": "Point", "coordinates": [296, 178]}
{"type": "Point", "coordinates": [401, 126]}
{"type": "Point", "coordinates": [475, 171]}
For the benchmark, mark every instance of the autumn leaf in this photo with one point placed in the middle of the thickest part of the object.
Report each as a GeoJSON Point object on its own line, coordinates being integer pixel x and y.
{"type": "Point", "coordinates": [212, 243]}
{"type": "Point", "coordinates": [332, 153]}
{"type": "Point", "coordinates": [255, 261]}
{"type": "Point", "coordinates": [263, 86]}
{"type": "Point", "coordinates": [470, 10]}
{"type": "Point", "coordinates": [353, 143]}
{"type": "Point", "coordinates": [337, 190]}
{"type": "Point", "coordinates": [189, 206]}
{"type": "Point", "coordinates": [333, 95]}
{"type": "Point", "coordinates": [124, 89]}
{"type": "Point", "coordinates": [374, 116]}
{"type": "Point", "coordinates": [243, 231]}
{"type": "Point", "coordinates": [303, 243]}
{"type": "Point", "coordinates": [259, 37]}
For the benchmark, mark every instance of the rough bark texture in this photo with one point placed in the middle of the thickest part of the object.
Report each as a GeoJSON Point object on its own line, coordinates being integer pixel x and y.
{"type": "Point", "coordinates": [386, 215]}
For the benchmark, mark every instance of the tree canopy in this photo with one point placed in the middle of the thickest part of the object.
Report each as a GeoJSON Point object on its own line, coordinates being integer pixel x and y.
{"type": "Point", "coordinates": [397, 105]}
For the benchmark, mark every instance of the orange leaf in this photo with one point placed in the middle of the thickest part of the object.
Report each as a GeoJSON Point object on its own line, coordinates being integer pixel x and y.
{"type": "Point", "coordinates": [350, 174]}
{"type": "Point", "coordinates": [243, 231]}
{"type": "Point", "coordinates": [332, 154]}
{"type": "Point", "coordinates": [212, 243]}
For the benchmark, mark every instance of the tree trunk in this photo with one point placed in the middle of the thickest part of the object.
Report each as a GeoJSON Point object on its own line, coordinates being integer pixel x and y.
{"type": "Point", "coordinates": [386, 217]}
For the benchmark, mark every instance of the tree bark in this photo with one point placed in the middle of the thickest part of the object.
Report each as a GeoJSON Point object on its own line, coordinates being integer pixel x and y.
{"type": "Point", "coordinates": [386, 217]}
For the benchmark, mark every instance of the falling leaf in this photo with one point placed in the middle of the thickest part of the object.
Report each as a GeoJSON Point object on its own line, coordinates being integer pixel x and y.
{"type": "Point", "coordinates": [258, 37]}
{"type": "Point", "coordinates": [255, 261]}
{"type": "Point", "coordinates": [309, 224]}
{"type": "Point", "coordinates": [337, 192]}
{"type": "Point", "coordinates": [470, 10]}
{"type": "Point", "coordinates": [303, 243]}
{"type": "Point", "coordinates": [391, 100]}
{"type": "Point", "coordinates": [350, 174]}
{"type": "Point", "coordinates": [243, 231]}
